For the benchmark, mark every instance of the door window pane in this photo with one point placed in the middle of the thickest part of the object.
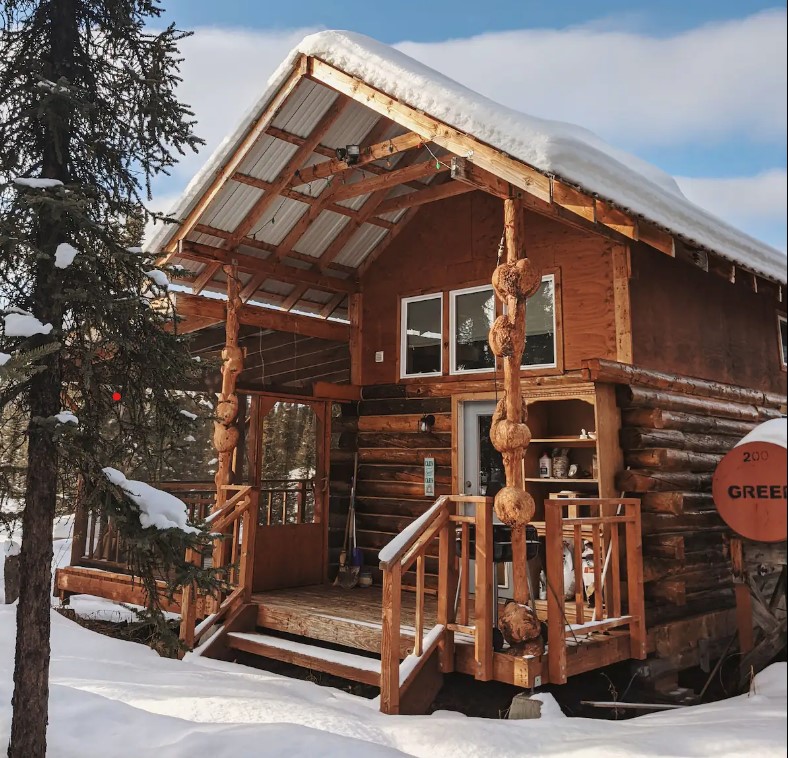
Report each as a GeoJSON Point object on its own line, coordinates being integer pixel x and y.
{"type": "Point", "coordinates": [540, 326]}
{"type": "Point", "coordinates": [422, 330]}
{"type": "Point", "coordinates": [474, 313]}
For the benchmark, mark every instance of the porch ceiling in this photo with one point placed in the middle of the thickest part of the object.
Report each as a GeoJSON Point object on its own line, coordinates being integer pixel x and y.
{"type": "Point", "coordinates": [302, 223]}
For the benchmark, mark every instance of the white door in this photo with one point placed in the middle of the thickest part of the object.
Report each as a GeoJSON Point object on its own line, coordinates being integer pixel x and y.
{"type": "Point", "coordinates": [483, 468]}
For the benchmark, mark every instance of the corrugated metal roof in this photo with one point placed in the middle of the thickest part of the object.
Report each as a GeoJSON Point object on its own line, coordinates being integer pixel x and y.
{"type": "Point", "coordinates": [278, 220]}
{"type": "Point", "coordinates": [267, 158]}
{"type": "Point", "coordinates": [360, 245]}
{"type": "Point", "coordinates": [231, 204]}
{"type": "Point", "coordinates": [320, 233]}
{"type": "Point", "coordinates": [317, 296]}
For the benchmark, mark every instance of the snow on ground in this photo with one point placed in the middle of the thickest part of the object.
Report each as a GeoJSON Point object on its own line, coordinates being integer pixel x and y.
{"type": "Point", "coordinates": [114, 698]}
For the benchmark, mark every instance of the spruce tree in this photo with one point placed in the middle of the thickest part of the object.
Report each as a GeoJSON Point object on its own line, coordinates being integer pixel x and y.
{"type": "Point", "coordinates": [88, 116]}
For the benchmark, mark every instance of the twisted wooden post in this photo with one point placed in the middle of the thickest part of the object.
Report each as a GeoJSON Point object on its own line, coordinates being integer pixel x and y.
{"type": "Point", "coordinates": [513, 281]}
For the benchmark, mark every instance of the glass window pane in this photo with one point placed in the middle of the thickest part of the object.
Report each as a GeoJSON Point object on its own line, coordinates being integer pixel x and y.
{"type": "Point", "coordinates": [540, 326]}
{"type": "Point", "coordinates": [474, 313]}
{"type": "Point", "coordinates": [423, 336]}
{"type": "Point", "coordinates": [783, 340]}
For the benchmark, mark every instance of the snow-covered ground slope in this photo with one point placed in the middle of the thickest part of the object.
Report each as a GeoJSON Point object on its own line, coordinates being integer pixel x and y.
{"type": "Point", "coordinates": [112, 699]}
{"type": "Point", "coordinates": [552, 147]}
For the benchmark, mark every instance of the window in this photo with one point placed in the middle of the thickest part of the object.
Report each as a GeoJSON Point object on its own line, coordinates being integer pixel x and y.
{"type": "Point", "coordinates": [422, 336]}
{"type": "Point", "coordinates": [472, 315]}
{"type": "Point", "coordinates": [540, 349]}
{"type": "Point", "coordinates": [782, 323]}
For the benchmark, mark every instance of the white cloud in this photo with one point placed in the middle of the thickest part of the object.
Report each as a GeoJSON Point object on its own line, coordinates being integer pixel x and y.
{"type": "Point", "coordinates": [746, 201]}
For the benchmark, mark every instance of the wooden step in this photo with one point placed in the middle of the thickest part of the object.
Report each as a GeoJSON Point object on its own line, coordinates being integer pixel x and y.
{"type": "Point", "coordinates": [356, 668]}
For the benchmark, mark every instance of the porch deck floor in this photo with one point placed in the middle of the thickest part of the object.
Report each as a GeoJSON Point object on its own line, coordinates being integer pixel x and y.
{"type": "Point", "coordinates": [360, 604]}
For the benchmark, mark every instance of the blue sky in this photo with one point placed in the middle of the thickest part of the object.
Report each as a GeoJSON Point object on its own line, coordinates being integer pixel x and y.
{"type": "Point", "coordinates": [694, 86]}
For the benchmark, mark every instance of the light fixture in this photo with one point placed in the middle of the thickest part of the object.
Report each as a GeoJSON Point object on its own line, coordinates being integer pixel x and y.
{"type": "Point", "coordinates": [350, 154]}
{"type": "Point", "coordinates": [426, 423]}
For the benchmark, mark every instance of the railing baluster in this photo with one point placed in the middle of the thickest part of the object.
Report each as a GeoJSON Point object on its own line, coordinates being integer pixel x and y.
{"type": "Point", "coordinates": [465, 572]}
{"type": "Point", "coordinates": [580, 613]}
{"type": "Point", "coordinates": [634, 546]}
{"type": "Point", "coordinates": [447, 584]}
{"type": "Point", "coordinates": [615, 570]}
{"type": "Point", "coordinates": [418, 645]}
{"type": "Point", "coordinates": [484, 594]}
{"type": "Point", "coordinates": [390, 640]}
{"type": "Point", "coordinates": [599, 612]}
{"type": "Point", "coordinates": [554, 569]}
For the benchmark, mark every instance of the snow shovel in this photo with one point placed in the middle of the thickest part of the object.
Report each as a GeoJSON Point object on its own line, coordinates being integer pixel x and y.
{"type": "Point", "coordinates": [347, 576]}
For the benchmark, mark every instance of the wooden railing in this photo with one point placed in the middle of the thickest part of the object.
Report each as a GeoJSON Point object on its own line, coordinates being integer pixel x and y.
{"type": "Point", "coordinates": [408, 550]}
{"type": "Point", "coordinates": [287, 501]}
{"type": "Point", "coordinates": [595, 525]}
{"type": "Point", "coordinates": [234, 522]}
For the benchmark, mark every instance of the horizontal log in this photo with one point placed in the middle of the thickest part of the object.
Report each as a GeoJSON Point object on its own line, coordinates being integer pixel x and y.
{"type": "Point", "coordinates": [392, 524]}
{"type": "Point", "coordinates": [383, 391]}
{"type": "Point", "coordinates": [424, 440]}
{"type": "Point", "coordinates": [666, 459]}
{"type": "Point", "coordinates": [602, 370]}
{"type": "Point", "coordinates": [404, 489]}
{"type": "Point", "coordinates": [392, 506]}
{"type": "Point", "coordinates": [656, 418]}
{"type": "Point", "coordinates": [341, 424]}
{"type": "Point", "coordinates": [660, 568]}
{"type": "Point", "coordinates": [416, 457]}
{"type": "Point", "coordinates": [694, 604]}
{"type": "Point", "coordinates": [635, 438]}
{"type": "Point", "coordinates": [676, 502]}
{"type": "Point", "coordinates": [668, 590]}
{"type": "Point", "coordinates": [670, 546]}
{"type": "Point", "coordinates": [401, 406]}
{"type": "Point", "coordinates": [400, 473]}
{"type": "Point", "coordinates": [662, 481]}
{"type": "Point", "coordinates": [643, 397]}
{"type": "Point", "coordinates": [655, 523]}
{"type": "Point", "coordinates": [408, 422]}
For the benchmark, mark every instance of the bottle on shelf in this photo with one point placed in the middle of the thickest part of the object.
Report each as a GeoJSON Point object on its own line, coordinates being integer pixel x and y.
{"type": "Point", "coordinates": [545, 466]}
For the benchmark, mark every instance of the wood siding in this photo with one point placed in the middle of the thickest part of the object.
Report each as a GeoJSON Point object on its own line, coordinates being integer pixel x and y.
{"type": "Point", "coordinates": [688, 321]}
{"type": "Point", "coordinates": [453, 244]}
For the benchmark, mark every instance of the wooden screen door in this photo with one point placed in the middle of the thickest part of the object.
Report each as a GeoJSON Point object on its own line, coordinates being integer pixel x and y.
{"type": "Point", "coordinates": [291, 468]}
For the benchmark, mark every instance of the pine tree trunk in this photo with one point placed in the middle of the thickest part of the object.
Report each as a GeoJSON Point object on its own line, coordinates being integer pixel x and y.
{"type": "Point", "coordinates": [31, 666]}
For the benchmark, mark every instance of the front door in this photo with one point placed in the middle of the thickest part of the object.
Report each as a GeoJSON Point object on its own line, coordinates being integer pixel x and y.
{"type": "Point", "coordinates": [482, 468]}
{"type": "Point", "coordinates": [291, 533]}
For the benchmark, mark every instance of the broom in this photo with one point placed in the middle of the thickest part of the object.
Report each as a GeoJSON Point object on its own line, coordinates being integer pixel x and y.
{"type": "Point", "coordinates": [347, 576]}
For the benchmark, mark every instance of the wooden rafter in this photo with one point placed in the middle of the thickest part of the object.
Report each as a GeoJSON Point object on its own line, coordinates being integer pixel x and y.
{"type": "Point", "coordinates": [292, 299]}
{"type": "Point", "coordinates": [369, 153]}
{"type": "Point", "coordinates": [271, 268]}
{"type": "Point", "coordinates": [253, 181]}
{"type": "Point", "coordinates": [326, 197]}
{"type": "Point", "coordinates": [331, 305]}
{"type": "Point", "coordinates": [430, 195]}
{"type": "Point", "coordinates": [251, 136]}
{"type": "Point", "coordinates": [266, 318]}
{"type": "Point", "coordinates": [367, 210]}
{"type": "Point", "coordinates": [253, 285]}
{"type": "Point", "coordinates": [297, 160]}
{"type": "Point", "coordinates": [205, 277]}
{"type": "Point", "coordinates": [391, 179]}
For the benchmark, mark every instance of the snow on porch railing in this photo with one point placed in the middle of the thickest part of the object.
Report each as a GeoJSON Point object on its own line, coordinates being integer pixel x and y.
{"type": "Point", "coordinates": [410, 548]}
{"type": "Point", "coordinates": [592, 530]}
{"type": "Point", "coordinates": [234, 521]}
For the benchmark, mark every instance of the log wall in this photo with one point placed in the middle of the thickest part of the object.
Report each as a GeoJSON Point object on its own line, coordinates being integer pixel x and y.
{"type": "Point", "coordinates": [688, 321]}
{"type": "Point", "coordinates": [454, 244]}
{"type": "Point", "coordinates": [672, 442]}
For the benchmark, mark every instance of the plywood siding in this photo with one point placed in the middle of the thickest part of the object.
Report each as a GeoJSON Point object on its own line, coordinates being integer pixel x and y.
{"type": "Point", "coordinates": [453, 244]}
{"type": "Point", "coordinates": [690, 322]}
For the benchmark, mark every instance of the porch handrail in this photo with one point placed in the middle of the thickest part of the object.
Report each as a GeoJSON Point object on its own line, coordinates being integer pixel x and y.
{"type": "Point", "coordinates": [235, 521]}
{"type": "Point", "coordinates": [409, 548]}
{"type": "Point", "coordinates": [597, 522]}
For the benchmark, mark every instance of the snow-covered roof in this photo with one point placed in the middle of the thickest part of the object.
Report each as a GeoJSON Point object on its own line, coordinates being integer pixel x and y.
{"type": "Point", "coordinates": [568, 152]}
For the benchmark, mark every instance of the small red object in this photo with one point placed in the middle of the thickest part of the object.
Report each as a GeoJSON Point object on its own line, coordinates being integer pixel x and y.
{"type": "Point", "coordinates": [116, 396]}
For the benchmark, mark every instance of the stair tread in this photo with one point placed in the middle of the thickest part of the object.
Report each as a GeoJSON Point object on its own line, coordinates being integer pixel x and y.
{"type": "Point", "coordinates": [309, 652]}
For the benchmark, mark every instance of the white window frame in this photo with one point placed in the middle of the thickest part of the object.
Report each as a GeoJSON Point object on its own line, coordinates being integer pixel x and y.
{"type": "Point", "coordinates": [453, 370]}
{"type": "Point", "coordinates": [554, 364]}
{"type": "Point", "coordinates": [781, 319]}
{"type": "Point", "coordinates": [403, 328]}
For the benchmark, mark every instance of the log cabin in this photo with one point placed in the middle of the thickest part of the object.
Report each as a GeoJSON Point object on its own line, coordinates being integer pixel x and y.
{"type": "Point", "coordinates": [532, 349]}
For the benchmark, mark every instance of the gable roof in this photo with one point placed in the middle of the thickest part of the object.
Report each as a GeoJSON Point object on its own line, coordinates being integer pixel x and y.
{"type": "Point", "coordinates": [382, 94]}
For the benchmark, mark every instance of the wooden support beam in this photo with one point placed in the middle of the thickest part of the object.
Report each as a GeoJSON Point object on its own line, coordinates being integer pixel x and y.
{"type": "Point", "coordinates": [465, 171]}
{"type": "Point", "coordinates": [255, 130]}
{"type": "Point", "coordinates": [293, 298]}
{"type": "Point", "coordinates": [205, 277]}
{"type": "Point", "coordinates": [616, 219]}
{"type": "Point", "coordinates": [326, 197]}
{"type": "Point", "coordinates": [254, 284]}
{"type": "Point", "coordinates": [432, 130]}
{"type": "Point", "coordinates": [369, 153]}
{"type": "Point", "coordinates": [253, 181]}
{"type": "Point", "coordinates": [266, 318]}
{"type": "Point", "coordinates": [422, 197]}
{"type": "Point", "coordinates": [271, 268]}
{"type": "Point", "coordinates": [332, 305]}
{"type": "Point", "coordinates": [573, 200]}
{"type": "Point", "coordinates": [299, 157]}
{"type": "Point", "coordinates": [621, 303]}
{"type": "Point", "coordinates": [390, 179]}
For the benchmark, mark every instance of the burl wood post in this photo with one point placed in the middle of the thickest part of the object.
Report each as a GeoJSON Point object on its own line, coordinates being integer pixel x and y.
{"type": "Point", "coordinates": [225, 428]}
{"type": "Point", "coordinates": [513, 281]}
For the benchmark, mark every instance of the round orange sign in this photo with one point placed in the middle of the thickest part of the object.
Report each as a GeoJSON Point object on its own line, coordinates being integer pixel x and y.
{"type": "Point", "coordinates": [751, 493]}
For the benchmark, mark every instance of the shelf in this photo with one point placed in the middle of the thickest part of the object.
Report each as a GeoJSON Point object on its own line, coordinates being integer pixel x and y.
{"type": "Point", "coordinates": [571, 441]}
{"type": "Point", "coordinates": [561, 481]}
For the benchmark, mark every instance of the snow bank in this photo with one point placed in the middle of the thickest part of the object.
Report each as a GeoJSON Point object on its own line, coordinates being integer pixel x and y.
{"type": "Point", "coordinates": [774, 431]}
{"type": "Point", "coordinates": [113, 698]}
{"type": "Point", "coordinates": [64, 255]}
{"type": "Point", "coordinates": [4, 358]}
{"type": "Point", "coordinates": [24, 325]}
{"type": "Point", "coordinates": [37, 183]}
{"type": "Point", "coordinates": [157, 508]}
{"type": "Point", "coordinates": [564, 150]}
